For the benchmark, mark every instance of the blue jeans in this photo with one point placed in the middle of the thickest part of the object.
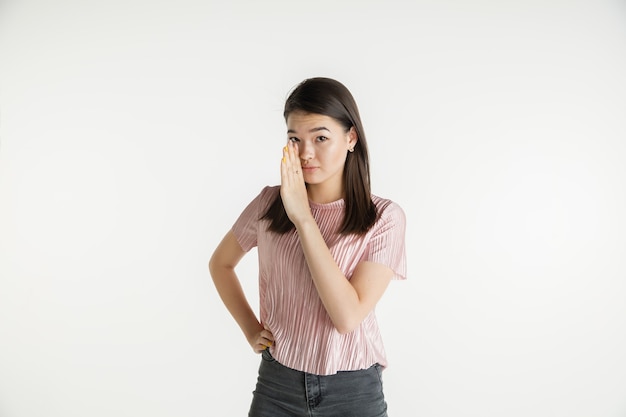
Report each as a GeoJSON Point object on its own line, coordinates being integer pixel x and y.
{"type": "Point", "coordinates": [285, 392]}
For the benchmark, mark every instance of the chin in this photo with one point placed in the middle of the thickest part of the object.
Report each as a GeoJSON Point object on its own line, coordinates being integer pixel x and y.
{"type": "Point", "coordinates": [312, 182]}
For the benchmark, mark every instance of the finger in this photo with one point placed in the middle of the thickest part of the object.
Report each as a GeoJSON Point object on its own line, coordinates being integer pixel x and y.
{"type": "Point", "coordinates": [284, 167]}
{"type": "Point", "coordinates": [296, 157]}
{"type": "Point", "coordinates": [266, 334]}
{"type": "Point", "coordinates": [294, 160]}
{"type": "Point", "coordinates": [289, 156]}
{"type": "Point", "coordinates": [262, 345]}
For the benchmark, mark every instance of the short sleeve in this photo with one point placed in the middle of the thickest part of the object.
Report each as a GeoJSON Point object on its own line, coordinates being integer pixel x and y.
{"type": "Point", "coordinates": [387, 243]}
{"type": "Point", "coordinates": [246, 226]}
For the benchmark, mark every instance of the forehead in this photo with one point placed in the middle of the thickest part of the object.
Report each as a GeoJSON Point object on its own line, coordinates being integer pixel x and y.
{"type": "Point", "coordinates": [303, 122]}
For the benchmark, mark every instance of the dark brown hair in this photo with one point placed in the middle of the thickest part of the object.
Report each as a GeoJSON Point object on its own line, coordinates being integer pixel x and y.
{"type": "Point", "coordinates": [330, 98]}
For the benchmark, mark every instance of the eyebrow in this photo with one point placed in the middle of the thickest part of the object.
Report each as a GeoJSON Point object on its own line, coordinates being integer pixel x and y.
{"type": "Point", "coordinates": [315, 129]}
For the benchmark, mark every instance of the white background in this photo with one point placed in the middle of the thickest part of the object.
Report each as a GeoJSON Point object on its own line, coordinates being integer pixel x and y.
{"type": "Point", "coordinates": [133, 133]}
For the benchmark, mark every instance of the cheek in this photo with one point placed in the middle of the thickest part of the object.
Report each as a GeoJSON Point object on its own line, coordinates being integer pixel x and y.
{"type": "Point", "coordinates": [331, 155]}
{"type": "Point", "coordinates": [338, 157]}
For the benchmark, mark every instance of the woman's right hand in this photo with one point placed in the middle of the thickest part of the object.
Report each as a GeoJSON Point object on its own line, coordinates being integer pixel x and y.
{"type": "Point", "coordinates": [261, 341]}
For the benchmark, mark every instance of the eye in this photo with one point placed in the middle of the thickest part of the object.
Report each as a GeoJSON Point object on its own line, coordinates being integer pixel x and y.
{"type": "Point", "coordinates": [322, 138]}
{"type": "Point", "coordinates": [294, 139]}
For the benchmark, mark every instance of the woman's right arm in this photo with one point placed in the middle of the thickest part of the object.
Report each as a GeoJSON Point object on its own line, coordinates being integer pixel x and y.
{"type": "Point", "coordinates": [222, 267]}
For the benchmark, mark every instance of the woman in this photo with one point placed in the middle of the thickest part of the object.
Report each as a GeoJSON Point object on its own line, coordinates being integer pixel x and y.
{"type": "Point", "coordinates": [327, 250]}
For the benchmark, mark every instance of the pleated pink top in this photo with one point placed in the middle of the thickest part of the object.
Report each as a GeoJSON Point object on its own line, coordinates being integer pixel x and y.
{"type": "Point", "coordinates": [305, 337]}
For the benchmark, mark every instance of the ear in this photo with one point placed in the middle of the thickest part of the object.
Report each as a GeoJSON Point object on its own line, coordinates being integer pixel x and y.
{"type": "Point", "coordinates": [353, 138]}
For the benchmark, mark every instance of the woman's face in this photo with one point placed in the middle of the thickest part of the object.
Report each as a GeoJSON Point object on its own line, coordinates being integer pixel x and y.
{"type": "Point", "coordinates": [323, 145]}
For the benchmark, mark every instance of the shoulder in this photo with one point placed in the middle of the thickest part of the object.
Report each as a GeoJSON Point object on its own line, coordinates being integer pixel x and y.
{"type": "Point", "coordinates": [262, 200]}
{"type": "Point", "coordinates": [390, 215]}
{"type": "Point", "coordinates": [270, 191]}
{"type": "Point", "coordinates": [267, 195]}
{"type": "Point", "coordinates": [387, 207]}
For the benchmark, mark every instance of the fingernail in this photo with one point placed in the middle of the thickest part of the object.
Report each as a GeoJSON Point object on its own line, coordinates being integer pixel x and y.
{"type": "Point", "coordinates": [284, 160]}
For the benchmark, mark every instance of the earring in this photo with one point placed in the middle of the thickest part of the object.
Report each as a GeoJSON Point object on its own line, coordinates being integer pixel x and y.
{"type": "Point", "coordinates": [351, 150]}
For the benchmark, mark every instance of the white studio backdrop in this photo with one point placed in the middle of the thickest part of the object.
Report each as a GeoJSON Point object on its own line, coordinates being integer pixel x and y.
{"type": "Point", "coordinates": [133, 133]}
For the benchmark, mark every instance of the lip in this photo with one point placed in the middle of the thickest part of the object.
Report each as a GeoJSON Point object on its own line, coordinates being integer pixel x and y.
{"type": "Point", "coordinates": [308, 169]}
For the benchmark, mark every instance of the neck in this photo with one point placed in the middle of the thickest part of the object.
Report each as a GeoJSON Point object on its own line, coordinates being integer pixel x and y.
{"type": "Point", "coordinates": [319, 194]}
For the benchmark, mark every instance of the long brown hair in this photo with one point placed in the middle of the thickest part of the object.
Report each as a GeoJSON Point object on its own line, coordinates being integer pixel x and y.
{"type": "Point", "coordinates": [330, 98]}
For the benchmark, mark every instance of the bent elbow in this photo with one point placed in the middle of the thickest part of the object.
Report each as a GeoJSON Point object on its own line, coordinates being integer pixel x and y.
{"type": "Point", "coordinates": [343, 331]}
{"type": "Point", "coordinates": [211, 265]}
{"type": "Point", "coordinates": [214, 266]}
{"type": "Point", "coordinates": [347, 326]}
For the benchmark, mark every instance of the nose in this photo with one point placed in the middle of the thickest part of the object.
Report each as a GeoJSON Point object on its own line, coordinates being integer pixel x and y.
{"type": "Point", "coordinates": [306, 151]}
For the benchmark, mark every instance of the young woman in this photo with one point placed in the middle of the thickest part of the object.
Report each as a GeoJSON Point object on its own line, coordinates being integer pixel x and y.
{"type": "Point", "coordinates": [327, 250]}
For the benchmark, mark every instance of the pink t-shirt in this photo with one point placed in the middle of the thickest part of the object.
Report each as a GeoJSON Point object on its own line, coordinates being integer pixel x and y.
{"type": "Point", "coordinates": [305, 337]}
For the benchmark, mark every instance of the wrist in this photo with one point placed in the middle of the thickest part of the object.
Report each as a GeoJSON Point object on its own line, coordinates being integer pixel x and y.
{"type": "Point", "coordinates": [252, 330]}
{"type": "Point", "coordinates": [305, 223]}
